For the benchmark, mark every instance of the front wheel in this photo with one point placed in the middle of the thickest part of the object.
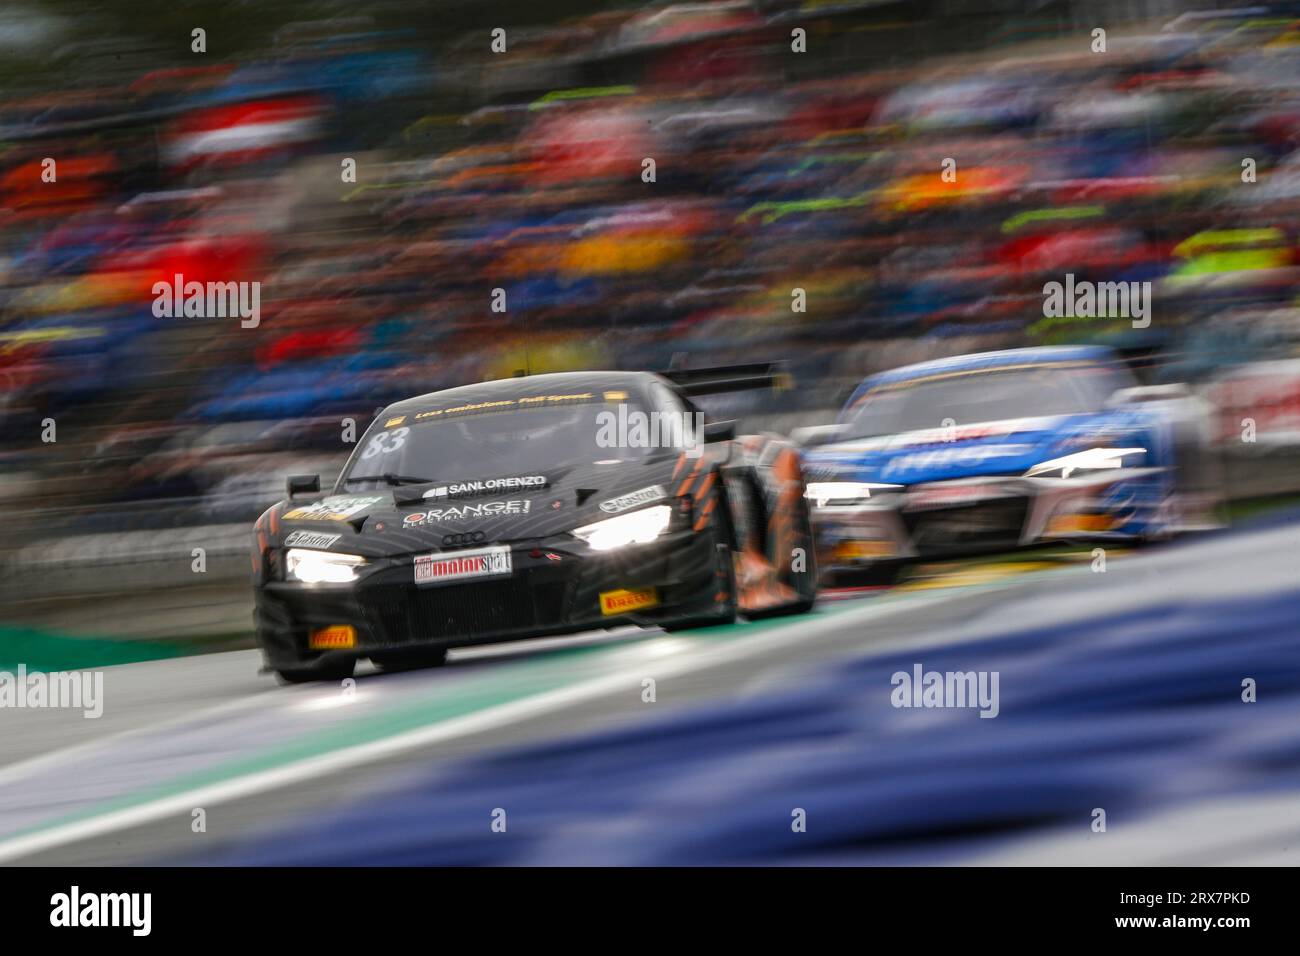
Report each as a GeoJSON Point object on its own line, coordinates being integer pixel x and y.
{"type": "Point", "coordinates": [792, 553]}
{"type": "Point", "coordinates": [724, 573]}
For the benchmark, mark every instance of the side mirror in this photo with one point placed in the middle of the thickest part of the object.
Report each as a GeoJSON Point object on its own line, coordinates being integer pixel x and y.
{"type": "Point", "coordinates": [817, 434]}
{"type": "Point", "coordinates": [302, 485]}
{"type": "Point", "coordinates": [720, 431]}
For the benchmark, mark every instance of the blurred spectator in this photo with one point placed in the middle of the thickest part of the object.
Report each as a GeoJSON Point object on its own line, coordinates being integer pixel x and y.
{"type": "Point", "coordinates": [643, 184]}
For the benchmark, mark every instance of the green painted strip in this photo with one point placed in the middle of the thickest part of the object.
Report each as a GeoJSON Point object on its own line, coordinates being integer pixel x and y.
{"type": "Point", "coordinates": [41, 650]}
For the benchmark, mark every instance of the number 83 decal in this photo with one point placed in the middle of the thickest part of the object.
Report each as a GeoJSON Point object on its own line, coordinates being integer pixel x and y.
{"type": "Point", "coordinates": [386, 442]}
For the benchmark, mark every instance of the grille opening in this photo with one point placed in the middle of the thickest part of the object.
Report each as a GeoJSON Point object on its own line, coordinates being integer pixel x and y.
{"type": "Point", "coordinates": [985, 524]}
{"type": "Point", "coordinates": [405, 614]}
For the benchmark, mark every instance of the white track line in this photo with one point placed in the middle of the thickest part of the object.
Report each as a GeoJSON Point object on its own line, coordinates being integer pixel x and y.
{"type": "Point", "coordinates": [488, 719]}
{"type": "Point", "coordinates": [276, 697]}
{"type": "Point", "coordinates": [11, 773]}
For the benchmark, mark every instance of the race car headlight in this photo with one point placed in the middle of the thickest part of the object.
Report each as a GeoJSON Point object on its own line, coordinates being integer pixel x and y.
{"type": "Point", "coordinates": [822, 493]}
{"type": "Point", "coordinates": [321, 567]}
{"type": "Point", "coordinates": [635, 527]}
{"type": "Point", "coordinates": [1082, 463]}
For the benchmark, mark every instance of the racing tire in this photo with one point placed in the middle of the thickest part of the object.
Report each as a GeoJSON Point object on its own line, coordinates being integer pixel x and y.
{"type": "Point", "coordinates": [805, 582]}
{"type": "Point", "coordinates": [726, 570]}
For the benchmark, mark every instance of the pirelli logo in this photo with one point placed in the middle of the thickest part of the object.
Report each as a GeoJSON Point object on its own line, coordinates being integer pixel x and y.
{"type": "Point", "coordinates": [624, 601]}
{"type": "Point", "coordinates": [333, 638]}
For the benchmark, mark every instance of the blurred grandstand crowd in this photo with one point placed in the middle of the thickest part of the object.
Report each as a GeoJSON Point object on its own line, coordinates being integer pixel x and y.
{"type": "Point", "coordinates": [523, 170]}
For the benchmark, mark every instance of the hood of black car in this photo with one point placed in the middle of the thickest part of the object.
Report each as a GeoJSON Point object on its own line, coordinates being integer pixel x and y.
{"type": "Point", "coordinates": [474, 509]}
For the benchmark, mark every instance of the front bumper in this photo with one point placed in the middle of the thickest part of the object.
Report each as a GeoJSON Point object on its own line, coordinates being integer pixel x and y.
{"type": "Point", "coordinates": [972, 516]}
{"type": "Point", "coordinates": [555, 587]}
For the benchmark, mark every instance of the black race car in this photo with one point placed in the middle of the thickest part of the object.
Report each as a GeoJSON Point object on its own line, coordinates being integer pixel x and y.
{"type": "Point", "coordinates": [532, 506]}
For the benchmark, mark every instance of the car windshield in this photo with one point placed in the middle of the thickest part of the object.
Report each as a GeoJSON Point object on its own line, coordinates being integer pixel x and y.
{"type": "Point", "coordinates": [985, 395]}
{"type": "Point", "coordinates": [485, 443]}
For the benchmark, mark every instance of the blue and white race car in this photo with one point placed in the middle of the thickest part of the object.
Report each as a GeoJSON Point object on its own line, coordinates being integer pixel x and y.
{"type": "Point", "coordinates": [995, 450]}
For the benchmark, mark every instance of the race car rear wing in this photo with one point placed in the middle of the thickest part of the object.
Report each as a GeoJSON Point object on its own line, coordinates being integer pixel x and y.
{"type": "Point", "coordinates": [730, 378]}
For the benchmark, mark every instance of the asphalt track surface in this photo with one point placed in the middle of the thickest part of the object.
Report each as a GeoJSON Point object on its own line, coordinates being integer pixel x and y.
{"type": "Point", "coordinates": [211, 733]}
